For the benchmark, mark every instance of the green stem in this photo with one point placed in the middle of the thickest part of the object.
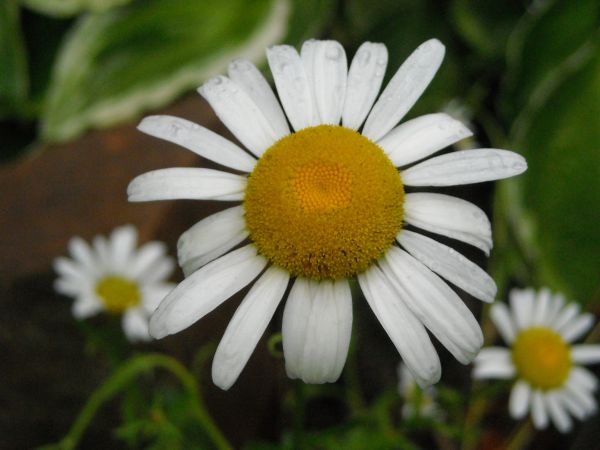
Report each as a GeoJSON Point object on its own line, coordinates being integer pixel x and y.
{"type": "Point", "coordinates": [299, 410]}
{"type": "Point", "coordinates": [521, 437]}
{"type": "Point", "coordinates": [122, 377]}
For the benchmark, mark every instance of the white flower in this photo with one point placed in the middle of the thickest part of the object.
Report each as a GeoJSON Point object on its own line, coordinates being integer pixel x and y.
{"type": "Point", "coordinates": [325, 203]}
{"type": "Point", "coordinates": [113, 276]}
{"type": "Point", "coordinates": [550, 382]}
{"type": "Point", "coordinates": [418, 402]}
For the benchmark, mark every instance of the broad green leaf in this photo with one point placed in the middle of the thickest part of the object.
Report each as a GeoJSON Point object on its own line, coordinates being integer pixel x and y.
{"type": "Point", "coordinates": [560, 220]}
{"type": "Point", "coordinates": [71, 7]}
{"type": "Point", "coordinates": [116, 64]}
{"type": "Point", "coordinates": [486, 24]}
{"type": "Point", "coordinates": [14, 82]}
{"type": "Point", "coordinates": [544, 39]}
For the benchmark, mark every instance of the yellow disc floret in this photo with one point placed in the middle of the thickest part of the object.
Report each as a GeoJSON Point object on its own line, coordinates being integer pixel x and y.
{"type": "Point", "coordinates": [542, 357]}
{"type": "Point", "coordinates": [117, 293]}
{"type": "Point", "coordinates": [324, 202]}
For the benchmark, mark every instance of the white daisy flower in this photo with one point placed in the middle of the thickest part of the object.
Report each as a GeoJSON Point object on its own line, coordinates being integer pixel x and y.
{"type": "Point", "coordinates": [113, 276]}
{"type": "Point", "coordinates": [551, 383]}
{"type": "Point", "coordinates": [418, 402]}
{"type": "Point", "coordinates": [323, 203]}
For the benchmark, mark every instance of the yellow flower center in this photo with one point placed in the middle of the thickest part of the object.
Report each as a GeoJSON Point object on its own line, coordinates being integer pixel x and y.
{"type": "Point", "coordinates": [324, 202]}
{"type": "Point", "coordinates": [542, 357]}
{"type": "Point", "coordinates": [117, 293]}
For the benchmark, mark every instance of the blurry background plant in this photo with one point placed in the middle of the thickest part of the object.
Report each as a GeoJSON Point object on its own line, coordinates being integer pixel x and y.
{"type": "Point", "coordinates": [527, 74]}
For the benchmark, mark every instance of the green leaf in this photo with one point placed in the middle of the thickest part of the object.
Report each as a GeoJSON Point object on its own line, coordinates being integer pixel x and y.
{"type": "Point", "coordinates": [486, 24]}
{"type": "Point", "coordinates": [560, 220]}
{"type": "Point", "coordinates": [63, 8]}
{"type": "Point", "coordinates": [14, 82]}
{"type": "Point", "coordinates": [544, 39]}
{"type": "Point", "coordinates": [116, 64]}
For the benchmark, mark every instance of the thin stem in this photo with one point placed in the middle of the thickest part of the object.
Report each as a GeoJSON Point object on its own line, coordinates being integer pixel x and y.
{"type": "Point", "coordinates": [521, 437]}
{"type": "Point", "coordinates": [299, 410]}
{"type": "Point", "coordinates": [122, 377]}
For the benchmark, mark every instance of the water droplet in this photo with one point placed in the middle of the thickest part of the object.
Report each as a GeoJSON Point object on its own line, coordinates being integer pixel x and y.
{"type": "Point", "coordinates": [364, 55]}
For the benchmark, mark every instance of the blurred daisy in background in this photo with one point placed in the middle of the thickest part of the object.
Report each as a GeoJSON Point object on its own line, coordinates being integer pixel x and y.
{"type": "Point", "coordinates": [323, 202]}
{"type": "Point", "coordinates": [551, 383]}
{"type": "Point", "coordinates": [113, 276]}
{"type": "Point", "coordinates": [418, 402]}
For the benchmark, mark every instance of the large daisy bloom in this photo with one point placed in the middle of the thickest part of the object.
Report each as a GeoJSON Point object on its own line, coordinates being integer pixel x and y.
{"type": "Point", "coordinates": [551, 383]}
{"type": "Point", "coordinates": [322, 201]}
{"type": "Point", "coordinates": [113, 276]}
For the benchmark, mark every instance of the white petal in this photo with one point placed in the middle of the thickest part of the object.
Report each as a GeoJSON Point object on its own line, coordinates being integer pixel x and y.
{"type": "Point", "coordinates": [198, 139]}
{"type": "Point", "coordinates": [450, 264]}
{"type": "Point", "coordinates": [404, 89]}
{"type": "Point", "coordinates": [581, 395]}
{"type": "Point", "coordinates": [327, 70]}
{"type": "Point", "coordinates": [70, 287]}
{"type": "Point", "coordinates": [122, 244]}
{"type": "Point", "coordinates": [86, 306]}
{"type": "Point", "coordinates": [586, 354]}
{"type": "Point", "coordinates": [577, 409]}
{"type": "Point", "coordinates": [494, 362]}
{"type": "Point", "coordinates": [247, 326]}
{"type": "Point", "coordinates": [435, 304]}
{"type": "Point", "coordinates": [449, 216]}
{"type": "Point", "coordinates": [501, 317]}
{"type": "Point", "coordinates": [538, 410]}
{"type": "Point", "coordinates": [154, 294]}
{"type": "Point", "coordinates": [406, 332]}
{"type": "Point", "coordinates": [186, 183]}
{"type": "Point", "coordinates": [584, 378]}
{"type": "Point", "coordinates": [541, 307]}
{"type": "Point", "coordinates": [465, 167]}
{"type": "Point", "coordinates": [518, 404]}
{"type": "Point", "coordinates": [576, 328]}
{"type": "Point", "coordinates": [135, 325]}
{"type": "Point", "coordinates": [82, 253]}
{"type": "Point", "coordinates": [567, 314]}
{"type": "Point", "coordinates": [292, 86]}
{"type": "Point", "coordinates": [559, 416]}
{"type": "Point", "coordinates": [317, 324]}
{"type": "Point", "coordinates": [69, 269]}
{"type": "Point", "coordinates": [211, 238]}
{"type": "Point", "coordinates": [157, 272]}
{"type": "Point", "coordinates": [521, 304]}
{"type": "Point", "coordinates": [144, 260]}
{"type": "Point", "coordinates": [239, 114]}
{"type": "Point", "coordinates": [100, 244]}
{"type": "Point", "coordinates": [249, 78]}
{"type": "Point", "coordinates": [557, 302]}
{"type": "Point", "coordinates": [364, 81]}
{"type": "Point", "coordinates": [421, 137]}
{"type": "Point", "coordinates": [206, 289]}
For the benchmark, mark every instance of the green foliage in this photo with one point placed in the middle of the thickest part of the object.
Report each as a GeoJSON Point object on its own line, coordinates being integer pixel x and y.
{"type": "Point", "coordinates": [71, 7]}
{"type": "Point", "coordinates": [554, 81]}
{"type": "Point", "coordinates": [14, 81]}
{"type": "Point", "coordinates": [116, 64]}
{"type": "Point", "coordinates": [560, 193]}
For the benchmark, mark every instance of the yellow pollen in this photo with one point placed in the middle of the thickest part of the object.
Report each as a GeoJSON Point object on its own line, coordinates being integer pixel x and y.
{"type": "Point", "coordinates": [542, 357]}
{"type": "Point", "coordinates": [117, 293]}
{"type": "Point", "coordinates": [324, 203]}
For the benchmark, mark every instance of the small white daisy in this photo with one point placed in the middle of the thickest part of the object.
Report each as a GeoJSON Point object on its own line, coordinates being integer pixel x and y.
{"type": "Point", "coordinates": [418, 402]}
{"type": "Point", "coordinates": [113, 276]}
{"type": "Point", "coordinates": [550, 380]}
{"type": "Point", "coordinates": [325, 203]}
